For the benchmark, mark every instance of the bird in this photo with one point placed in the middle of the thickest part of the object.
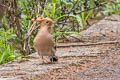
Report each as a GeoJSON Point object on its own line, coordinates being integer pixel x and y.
{"type": "Point", "coordinates": [43, 42]}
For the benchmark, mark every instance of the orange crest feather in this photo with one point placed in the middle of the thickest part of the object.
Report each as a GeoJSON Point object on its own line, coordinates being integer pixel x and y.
{"type": "Point", "coordinates": [39, 19]}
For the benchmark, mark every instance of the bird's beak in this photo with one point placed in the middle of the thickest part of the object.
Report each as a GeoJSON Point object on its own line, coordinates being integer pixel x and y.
{"type": "Point", "coordinates": [56, 22]}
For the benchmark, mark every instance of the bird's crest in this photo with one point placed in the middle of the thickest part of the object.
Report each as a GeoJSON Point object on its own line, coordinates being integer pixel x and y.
{"type": "Point", "coordinates": [39, 19]}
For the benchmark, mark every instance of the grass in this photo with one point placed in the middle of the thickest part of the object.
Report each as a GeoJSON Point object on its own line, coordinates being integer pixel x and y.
{"type": "Point", "coordinates": [7, 52]}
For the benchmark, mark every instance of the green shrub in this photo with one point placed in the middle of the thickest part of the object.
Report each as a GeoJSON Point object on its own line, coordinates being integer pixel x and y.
{"type": "Point", "coordinates": [112, 7]}
{"type": "Point", "coordinates": [74, 12]}
{"type": "Point", "coordinates": [7, 52]}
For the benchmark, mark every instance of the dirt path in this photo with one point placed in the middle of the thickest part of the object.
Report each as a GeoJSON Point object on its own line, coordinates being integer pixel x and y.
{"type": "Point", "coordinates": [94, 62]}
{"type": "Point", "coordinates": [104, 66]}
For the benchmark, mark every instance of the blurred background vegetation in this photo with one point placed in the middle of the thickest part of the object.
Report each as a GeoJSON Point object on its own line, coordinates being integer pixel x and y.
{"type": "Point", "coordinates": [15, 16]}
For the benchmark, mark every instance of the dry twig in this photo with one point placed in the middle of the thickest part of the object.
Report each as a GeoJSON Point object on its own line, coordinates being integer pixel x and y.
{"type": "Point", "coordinates": [88, 44]}
{"type": "Point", "coordinates": [27, 46]}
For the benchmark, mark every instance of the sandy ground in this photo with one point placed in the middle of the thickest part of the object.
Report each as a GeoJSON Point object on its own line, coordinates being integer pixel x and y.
{"type": "Point", "coordinates": [96, 62]}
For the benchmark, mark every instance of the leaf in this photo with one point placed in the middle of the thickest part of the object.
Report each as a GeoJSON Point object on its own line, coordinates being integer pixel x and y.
{"type": "Point", "coordinates": [68, 5]}
{"type": "Point", "coordinates": [53, 9]}
{"type": "Point", "coordinates": [47, 13]}
{"type": "Point", "coordinates": [2, 58]}
{"type": "Point", "coordinates": [23, 16]}
{"type": "Point", "coordinates": [57, 34]}
{"type": "Point", "coordinates": [83, 13]}
{"type": "Point", "coordinates": [54, 1]}
{"type": "Point", "coordinates": [88, 14]}
{"type": "Point", "coordinates": [77, 17]}
{"type": "Point", "coordinates": [79, 20]}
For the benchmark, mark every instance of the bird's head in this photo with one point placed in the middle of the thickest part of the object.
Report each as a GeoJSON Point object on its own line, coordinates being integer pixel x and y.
{"type": "Point", "coordinates": [44, 22]}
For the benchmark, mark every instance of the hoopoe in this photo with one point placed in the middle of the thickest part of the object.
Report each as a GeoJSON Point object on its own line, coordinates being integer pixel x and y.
{"type": "Point", "coordinates": [44, 42]}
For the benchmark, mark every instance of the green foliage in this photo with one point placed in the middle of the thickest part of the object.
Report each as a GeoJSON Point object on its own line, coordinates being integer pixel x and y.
{"type": "Point", "coordinates": [58, 9]}
{"type": "Point", "coordinates": [72, 11]}
{"type": "Point", "coordinates": [112, 7]}
{"type": "Point", "coordinates": [62, 9]}
{"type": "Point", "coordinates": [6, 49]}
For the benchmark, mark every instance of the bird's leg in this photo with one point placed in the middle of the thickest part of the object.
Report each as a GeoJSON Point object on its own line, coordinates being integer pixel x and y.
{"type": "Point", "coordinates": [41, 57]}
{"type": "Point", "coordinates": [42, 60]}
{"type": "Point", "coordinates": [52, 59]}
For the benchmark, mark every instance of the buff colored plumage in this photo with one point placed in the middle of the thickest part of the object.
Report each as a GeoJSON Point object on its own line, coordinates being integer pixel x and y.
{"type": "Point", "coordinates": [44, 42]}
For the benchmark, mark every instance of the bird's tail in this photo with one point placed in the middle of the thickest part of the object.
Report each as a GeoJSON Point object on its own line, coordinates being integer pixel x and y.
{"type": "Point", "coordinates": [54, 59]}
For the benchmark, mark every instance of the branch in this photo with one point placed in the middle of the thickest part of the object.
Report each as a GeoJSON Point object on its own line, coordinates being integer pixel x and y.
{"type": "Point", "coordinates": [27, 46]}
{"type": "Point", "coordinates": [88, 44]}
